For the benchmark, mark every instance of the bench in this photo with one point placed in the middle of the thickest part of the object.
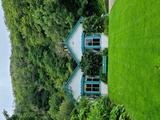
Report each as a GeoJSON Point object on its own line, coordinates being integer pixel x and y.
{"type": "Point", "coordinates": [104, 68]}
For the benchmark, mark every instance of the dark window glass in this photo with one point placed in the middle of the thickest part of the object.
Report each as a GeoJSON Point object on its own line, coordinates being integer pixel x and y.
{"type": "Point", "coordinates": [95, 88]}
{"type": "Point", "coordinates": [95, 85]}
{"type": "Point", "coordinates": [96, 42]}
{"type": "Point", "coordinates": [95, 79]}
{"type": "Point", "coordinates": [89, 79]}
{"type": "Point", "coordinates": [88, 85]}
{"type": "Point", "coordinates": [88, 89]}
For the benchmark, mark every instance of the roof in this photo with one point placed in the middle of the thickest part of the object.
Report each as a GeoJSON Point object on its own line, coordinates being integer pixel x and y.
{"type": "Point", "coordinates": [66, 86]}
{"type": "Point", "coordinates": [68, 39]}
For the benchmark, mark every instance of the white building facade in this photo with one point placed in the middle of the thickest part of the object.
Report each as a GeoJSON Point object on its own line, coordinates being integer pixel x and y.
{"type": "Point", "coordinates": [77, 43]}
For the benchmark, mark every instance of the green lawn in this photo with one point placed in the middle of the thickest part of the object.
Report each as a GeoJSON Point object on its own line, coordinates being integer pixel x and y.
{"type": "Point", "coordinates": [134, 51]}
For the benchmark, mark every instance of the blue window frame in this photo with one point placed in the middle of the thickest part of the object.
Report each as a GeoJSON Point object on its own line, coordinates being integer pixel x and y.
{"type": "Point", "coordinates": [92, 85]}
{"type": "Point", "coordinates": [92, 43]}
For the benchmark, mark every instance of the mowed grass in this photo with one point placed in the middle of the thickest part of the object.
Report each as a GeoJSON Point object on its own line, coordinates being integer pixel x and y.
{"type": "Point", "coordinates": [134, 51]}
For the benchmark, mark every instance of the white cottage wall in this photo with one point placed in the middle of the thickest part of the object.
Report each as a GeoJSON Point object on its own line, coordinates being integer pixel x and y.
{"type": "Point", "coordinates": [75, 84]}
{"type": "Point", "coordinates": [104, 41]}
{"type": "Point", "coordinates": [104, 89]}
{"type": "Point", "coordinates": [75, 42]}
{"type": "Point", "coordinates": [75, 45]}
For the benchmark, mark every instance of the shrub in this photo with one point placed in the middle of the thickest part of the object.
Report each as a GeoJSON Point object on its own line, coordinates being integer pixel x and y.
{"type": "Point", "coordinates": [93, 24]}
{"type": "Point", "coordinates": [103, 77]}
{"type": "Point", "coordinates": [106, 26]}
{"type": "Point", "coordinates": [99, 109]}
{"type": "Point", "coordinates": [65, 110]}
{"type": "Point", "coordinates": [105, 52]}
{"type": "Point", "coordinates": [118, 113]}
{"type": "Point", "coordinates": [91, 63]}
{"type": "Point", "coordinates": [55, 102]}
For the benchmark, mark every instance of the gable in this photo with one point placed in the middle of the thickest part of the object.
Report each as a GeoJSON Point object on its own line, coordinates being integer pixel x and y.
{"type": "Point", "coordinates": [73, 41]}
{"type": "Point", "coordinates": [76, 45]}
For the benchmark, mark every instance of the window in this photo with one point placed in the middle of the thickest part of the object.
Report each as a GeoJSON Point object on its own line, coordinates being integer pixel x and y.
{"type": "Point", "coordinates": [93, 50]}
{"type": "Point", "coordinates": [92, 79]}
{"type": "Point", "coordinates": [93, 34]}
{"type": "Point", "coordinates": [92, 97]}
{"type": "Point", "coordinates": [92, 87]}
{"type": "Point", "coordinates": [92, 84]}
{"type": "Point", "coordinates": [92, 42]}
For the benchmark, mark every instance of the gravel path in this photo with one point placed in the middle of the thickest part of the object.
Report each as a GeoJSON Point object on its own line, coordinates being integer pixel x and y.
{"type": "Point", "coordinates": [111, 2]}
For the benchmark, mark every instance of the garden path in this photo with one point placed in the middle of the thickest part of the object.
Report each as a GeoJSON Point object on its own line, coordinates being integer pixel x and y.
{"type": "Point", "coordinates": [111, 2]}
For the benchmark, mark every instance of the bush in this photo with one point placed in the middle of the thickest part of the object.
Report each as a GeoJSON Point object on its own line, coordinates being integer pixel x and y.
{"type": "Point", "coordinates": [55, 103]}
{"type": "Point", "coordinates": [91, 63]}
{"type": "Point", "coordinates": [105, 52]}
{"type": "Point", "coordinates": [99, 109]}
{"type": "Point", "coordinates": [103, 77]}
{"type": "Point", "coordinates": [118, 113]}
{"type": "Point", "coordinates": [106, 25]}
{"type": "Point", "coordinates": [65, 110]}
{"type": "Point", "coordinates": [93, 24]}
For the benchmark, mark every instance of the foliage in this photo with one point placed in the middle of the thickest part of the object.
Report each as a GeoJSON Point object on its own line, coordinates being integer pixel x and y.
{"type": "Point", "coordinates": [104, 6]}
{"type": "Point", "coordinates": [38, 65]}
{"type": "Point", "coordinates": [106, 25]}
{"type": "Point", "coordinates": [105, 52]}
{"type": "Point", "coordinates": [5, 113]}
{"type": "Point", "coordinates": [93, 24]}
{"type": "Point", "coordinates": [55, 103]}
{"type": "Point", "coordinates": [89, 110]}
{"type": "Point", "coordinates": [99, 109]}
{"type": "Point", "coordinates": [104, 77]}
{"type": "Point", "coordinates": [90, 63]}
{"type": "Point", "coordinates": [65, 110]}
{"type": "Point", "coordinates": [118, 113]}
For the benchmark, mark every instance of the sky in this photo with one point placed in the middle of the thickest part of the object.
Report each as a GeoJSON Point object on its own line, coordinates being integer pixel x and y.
{"type": "Point", "coordinates": [6, 96]}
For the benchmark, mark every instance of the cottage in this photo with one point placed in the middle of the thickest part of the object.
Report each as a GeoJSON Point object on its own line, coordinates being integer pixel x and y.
{"type": "Point", "coordinates": [78, 42]}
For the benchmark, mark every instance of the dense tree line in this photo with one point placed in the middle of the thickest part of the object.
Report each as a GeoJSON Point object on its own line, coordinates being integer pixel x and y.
{"type": "Point", "coordinates": [38, 64]}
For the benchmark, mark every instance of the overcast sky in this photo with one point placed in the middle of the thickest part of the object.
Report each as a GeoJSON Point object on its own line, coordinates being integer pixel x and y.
{"type": "Point", "coordinates": [6, 97]}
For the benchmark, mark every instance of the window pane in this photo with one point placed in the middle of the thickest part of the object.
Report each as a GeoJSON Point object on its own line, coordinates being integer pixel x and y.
{"type": "Point", "coordinates": [96, 42]}
{"type": "Point", "coordinates": [95, 79]}
{"type": "Point", "coordinates": [89, 79]}
{"type": "Point", "coordinates": [95, 89]}
{"type": "Point", "coordinates": [89, 42]}
{"type": "Point", "coordinates": [88, 85]}
{"type": "Point", "coordinates": [92, 87]}
{"type": "Point", "coordinates": [88, 89]}
{"type": "Point", "coordinates": [95, 85]}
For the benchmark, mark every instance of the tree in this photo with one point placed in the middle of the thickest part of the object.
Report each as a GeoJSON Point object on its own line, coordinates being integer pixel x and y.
{"type": "Point", "coordinates": [65, 110]}
{"type": "Point", "coordinates": [36, 64]}
{"type": "Point", "coordinates": [55, 103]}
{"type": "Point", "coordinates": [5, 113]}
{"type": "Point", "coordinates": [91, 63]}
